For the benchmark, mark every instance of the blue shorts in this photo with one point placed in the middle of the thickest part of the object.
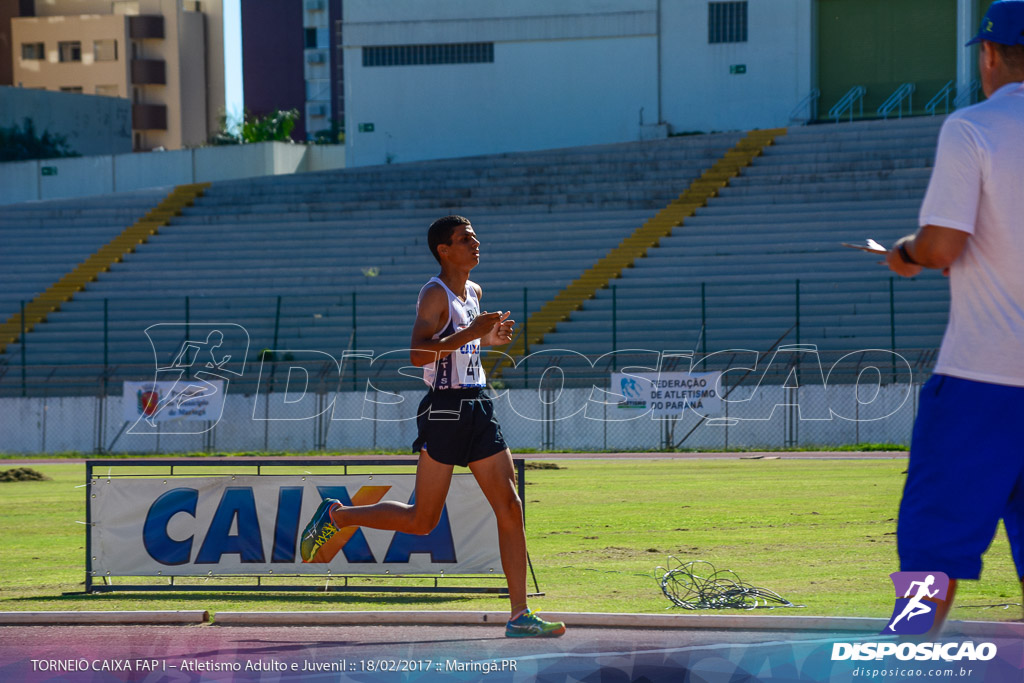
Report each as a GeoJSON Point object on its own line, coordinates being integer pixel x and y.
{"type": "Point", "coordinates": [966, 472]}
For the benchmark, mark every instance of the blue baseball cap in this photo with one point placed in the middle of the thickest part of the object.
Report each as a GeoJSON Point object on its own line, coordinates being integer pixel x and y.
{"type": "Point", "coordinates": [1003, 23]}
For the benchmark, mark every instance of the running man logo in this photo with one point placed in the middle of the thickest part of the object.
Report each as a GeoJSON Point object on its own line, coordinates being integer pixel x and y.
{"type": "Point", "coordinates": [195, 363]}
{"type": "Point", "coordinates": [918, 594]}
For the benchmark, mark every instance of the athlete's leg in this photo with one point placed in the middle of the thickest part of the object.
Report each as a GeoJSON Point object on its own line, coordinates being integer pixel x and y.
{"type": "Point", "coordinates": [432, 481]}
{"type": "Point", "coordinates": [497, 479]}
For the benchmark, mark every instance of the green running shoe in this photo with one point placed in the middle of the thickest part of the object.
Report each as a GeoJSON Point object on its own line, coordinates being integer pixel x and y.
{"type": "Point", "coordinates": [319, 530]}
{"type": "Point", "coordinates": [529, 625]}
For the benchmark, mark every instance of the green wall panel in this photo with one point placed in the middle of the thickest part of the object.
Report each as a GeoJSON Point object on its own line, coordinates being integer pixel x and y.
{"type": "Point", "coordinates": [880, 44]}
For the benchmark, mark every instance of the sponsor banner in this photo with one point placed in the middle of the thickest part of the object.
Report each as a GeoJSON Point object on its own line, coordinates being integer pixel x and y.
{"type": "Point", "coordinates": [252, 525]}
{"type": "Point", "coordinates": [184, 400]}
{"type": "Point", "coordinates": [668, 394]}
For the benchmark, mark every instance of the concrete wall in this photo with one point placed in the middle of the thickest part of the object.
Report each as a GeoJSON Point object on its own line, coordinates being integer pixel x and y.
{"type": "Point", "coordinates": [766, 418]}
{"type": "Point", "coordinates": [93, 125]}
{"type": "Point", "coordinates": [568, 73]}
{"type": "Point", "coordinates": [24, 181]}
{"type": "Point", "coordinates": [565, 73]}
{"type": "Point", "coordinates": [698, 91]}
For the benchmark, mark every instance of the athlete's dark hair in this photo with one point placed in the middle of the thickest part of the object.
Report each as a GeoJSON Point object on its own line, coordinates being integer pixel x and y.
{"type": "Point", "coordinates": [440, 232]}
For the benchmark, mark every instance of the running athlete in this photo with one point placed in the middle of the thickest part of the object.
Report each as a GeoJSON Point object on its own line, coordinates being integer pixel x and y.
{"type": "Point", "coordinates": [456, 423]}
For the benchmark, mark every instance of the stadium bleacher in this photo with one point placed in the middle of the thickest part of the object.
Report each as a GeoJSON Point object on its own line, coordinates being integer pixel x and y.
{"type": "Point", "coordinates": [316, 239]}
{"type": "Point", "coordinates": [301, 258]}
{"type": "Point", "coordinates": [780, 221]}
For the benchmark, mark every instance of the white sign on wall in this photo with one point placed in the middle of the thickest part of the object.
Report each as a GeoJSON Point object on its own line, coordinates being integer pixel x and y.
{"type": "Point", "coordinates": [193, 400]}
{"type": "Point", "coordinates": [668, 394]}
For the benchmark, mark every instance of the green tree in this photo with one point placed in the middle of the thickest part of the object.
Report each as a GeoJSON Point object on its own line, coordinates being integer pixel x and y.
{"type": "Point", "coordinates": [20, 143]}
{"type": "Point", "coordinates": [275, 126]}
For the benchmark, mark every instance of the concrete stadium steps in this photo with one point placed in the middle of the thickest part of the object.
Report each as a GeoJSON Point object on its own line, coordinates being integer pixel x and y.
{"type": "Point", "coordinates": [572, 206]}
{"type": "Point", "coordinates": [44, 240]}
{"type": "Point", "coordinates": [781, 220]}
{"type": "Point", "coordinates": [544, 218]}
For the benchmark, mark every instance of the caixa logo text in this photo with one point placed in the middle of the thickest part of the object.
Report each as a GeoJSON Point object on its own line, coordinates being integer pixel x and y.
{"type": "Point", "coordinates": [948, 652]}
{"type": "Point", "coordinates": [235, 529]}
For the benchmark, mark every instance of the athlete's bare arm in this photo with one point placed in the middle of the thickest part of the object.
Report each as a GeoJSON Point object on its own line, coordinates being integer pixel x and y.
{"type": "Point", "coordinates": [431, 314]}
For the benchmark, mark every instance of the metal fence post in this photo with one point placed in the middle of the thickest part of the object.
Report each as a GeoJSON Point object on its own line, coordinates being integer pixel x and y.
{"type": "Point", "coordinates": [798, 311]}
{"type": "Point", "coordinates": [355, 343]}
{"type": "Point", "coordinates": [188, 334]}
{"type": "Point", "coordinates": [615, 327]}
{"type": "Point", "coordinates": [526, 339]}
{"type": "Point", "coordinates": [106, 346]}
{"type": "Point", "coordinates": [24, 383]}
{"type": "Point", "coordinates": [892, 324]}
{"type": "Point", "coordinates": [703, 326]}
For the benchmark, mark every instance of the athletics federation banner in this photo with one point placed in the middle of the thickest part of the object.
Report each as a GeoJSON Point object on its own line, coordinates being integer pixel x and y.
{"type": "Point", "coordinates": [668, 394]}
{"type": "Point", "coordinates": [251, 525]}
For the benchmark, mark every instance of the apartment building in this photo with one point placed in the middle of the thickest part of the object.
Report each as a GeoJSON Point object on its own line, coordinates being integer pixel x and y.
{"type": "Point", "coordinates": [166, 56]}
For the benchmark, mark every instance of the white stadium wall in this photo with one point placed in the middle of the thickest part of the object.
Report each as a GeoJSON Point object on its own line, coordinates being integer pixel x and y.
{"type": "Point", "coordinates": [698, 91]}
{"type": "Point", "coordinates": [565, 73]}
{"type": "Point", "coordinates": [23, 181]}
{"type": "Point", "coordinates": [760, 418]}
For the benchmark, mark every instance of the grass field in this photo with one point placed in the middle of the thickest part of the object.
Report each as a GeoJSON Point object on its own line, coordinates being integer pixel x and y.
{"type": "Point", "coordinates": [819, 532]}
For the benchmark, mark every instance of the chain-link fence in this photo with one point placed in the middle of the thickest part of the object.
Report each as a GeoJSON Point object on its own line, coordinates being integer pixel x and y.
{"type": "Point", "coordinates": [791, 398]}
{"type": "Point", "coordinates": [288, 374]}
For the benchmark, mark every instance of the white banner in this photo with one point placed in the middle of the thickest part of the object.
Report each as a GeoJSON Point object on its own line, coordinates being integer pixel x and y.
{"type": "Point", "coordinates": [251, 525]}
{"type": "Point", "coordinates": [187, 400]}
{"type": "Point", "coordinates": [668, 394]}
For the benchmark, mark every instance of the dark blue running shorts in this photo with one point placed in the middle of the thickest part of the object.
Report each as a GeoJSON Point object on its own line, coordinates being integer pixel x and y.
{"type": "Point", "coordinates": [457, 426]}
{"type": "Point", "coordinates": [966, 472]}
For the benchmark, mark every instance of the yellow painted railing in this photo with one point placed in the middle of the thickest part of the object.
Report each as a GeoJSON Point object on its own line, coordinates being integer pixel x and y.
{"type": "Point", "coordinates": [647, 236]}
{"type": "Point", "coordinates": [64, 289]}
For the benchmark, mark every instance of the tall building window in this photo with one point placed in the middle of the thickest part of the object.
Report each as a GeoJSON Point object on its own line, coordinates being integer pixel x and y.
{"type": "Point", "coordinates": [71, 88]}
{"type": "Point", "coordinates": [104, 50]}
{"type": "Point", "coordinates": [413, 55]}
{"type": "Point", "coordinates": [311, 38]}
{"type": "Point", "coordinates": [727, 22]}
{"type": "Point", "coordinates": [32, 51]}
{"type": "Point", "coordinates": [108, 90]}
{"type": "Point", "coordinates": [70, 51]}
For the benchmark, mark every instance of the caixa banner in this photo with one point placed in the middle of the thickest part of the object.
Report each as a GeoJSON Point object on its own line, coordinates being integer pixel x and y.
{"type": "Point", "coordinates": [251, 525]}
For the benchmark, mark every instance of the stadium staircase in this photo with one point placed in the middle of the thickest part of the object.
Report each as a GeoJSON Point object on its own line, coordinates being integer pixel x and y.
{"type": "Point", "coordinates": [73, 282]}
{"type": "Point", "coordinates": [644, 238]}
{"type": "Point", "coordinates": [761, 264]}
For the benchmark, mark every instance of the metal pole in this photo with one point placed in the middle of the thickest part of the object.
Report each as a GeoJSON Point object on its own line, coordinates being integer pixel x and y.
{"type": "Point", "coordinates": [892, 324]}
{"type": "Point", "coordinates": [24, 385]}
{"type": "Point", "coordinates": [526, 338]}
{"type": "Point", "coordinates": [798, 311]}
{"type": "Point", "coordinates": [615, 326]}
{"type": "Point", "coordinates": [355, 344]}
{"type": "Point", "coordinates": [106, 346]}
{"type": "Point", "coordinates": [703, 325]}
{"type": "Point", "coordinates": [188, 334]}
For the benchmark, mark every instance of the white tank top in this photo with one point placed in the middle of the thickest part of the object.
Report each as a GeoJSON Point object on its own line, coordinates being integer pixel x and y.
{"type": "Point", "coordinates": [460, 369]}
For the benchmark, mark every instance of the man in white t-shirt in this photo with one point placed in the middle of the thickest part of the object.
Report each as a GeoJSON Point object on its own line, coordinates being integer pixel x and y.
{"type": "Point", "coordinates": [967, 450]}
